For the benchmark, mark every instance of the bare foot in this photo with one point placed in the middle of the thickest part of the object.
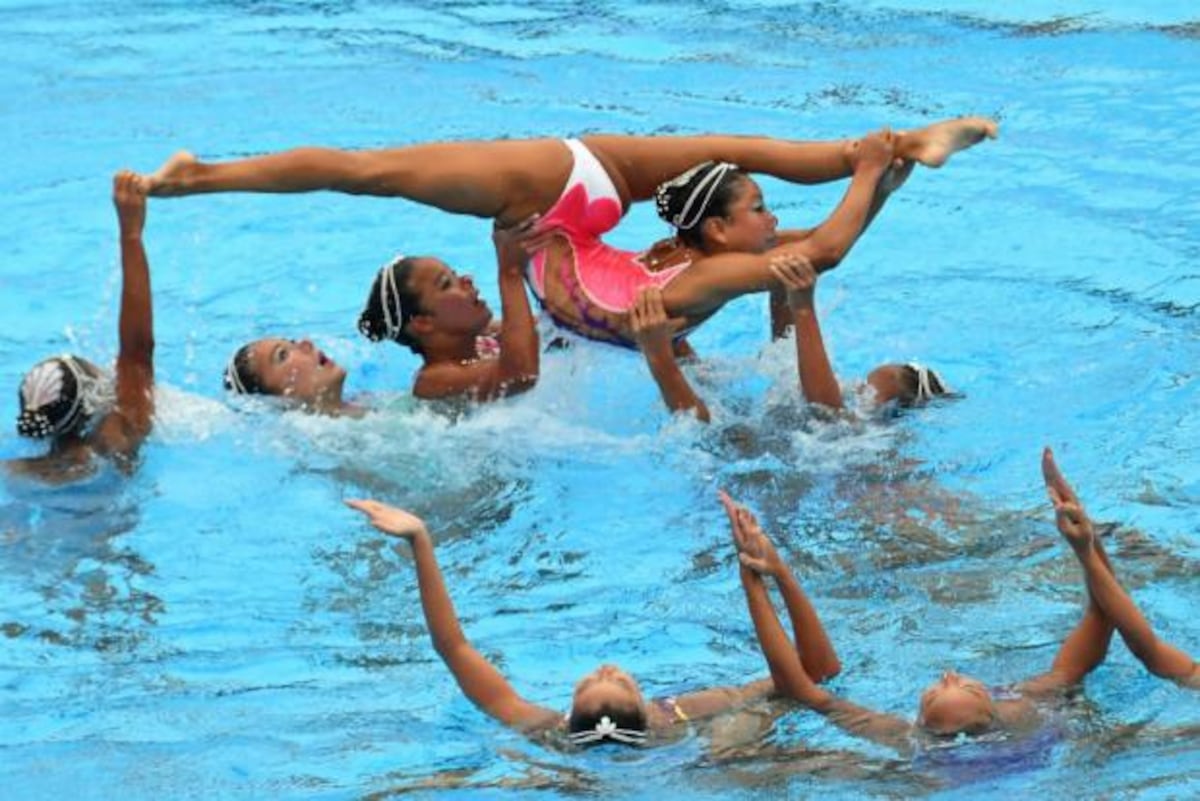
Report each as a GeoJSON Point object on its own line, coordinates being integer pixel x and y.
{"type": "Point", "coordinates": [170, 180]}
{"type": "Point", "coordinates": [935, 144]}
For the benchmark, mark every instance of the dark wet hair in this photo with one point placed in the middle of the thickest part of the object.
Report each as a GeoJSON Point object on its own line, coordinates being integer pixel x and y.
{"type": "Point", "coordinates": [706, 190]}
{"type": "Point", "coordinates": [911, 385]}
{"type": "Point", "coordinates": [50, 398]}
{"type": "Point", "coordinates": [391, 305]}
{"type": "Point", "coordinates": [240, 376]}
{"type": "Point", "coordinates": [629, 723]}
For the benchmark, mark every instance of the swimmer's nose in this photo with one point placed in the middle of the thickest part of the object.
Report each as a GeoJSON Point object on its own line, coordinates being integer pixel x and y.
{"type": "Point", "coordinates": [305, 345]}
{"type": "Point", "coordinates": [467, 281]}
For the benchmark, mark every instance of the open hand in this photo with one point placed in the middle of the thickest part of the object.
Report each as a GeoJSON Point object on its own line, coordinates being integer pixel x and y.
{"type": "Point", "coordinates": [875, 149]}
{"type": "Point", "coordinates": [390, 520]}
{"type": "Point", "coordinates": [648, 319]}
{"type": "Point", "coordinates": [1069, 514]}
{"type": "Point", "coordinates": [797, 275]}
{"type": "Point", "coordinates": [529, 236]}
{"type": "Point", "coordinates": [755, 550]}
{"type": "Point", "coordinates": [513, 242]}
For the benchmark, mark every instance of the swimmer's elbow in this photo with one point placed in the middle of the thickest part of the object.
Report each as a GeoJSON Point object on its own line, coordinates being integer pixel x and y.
{"type": "Point", "coordinates": [522, 382]}
{"type": "Point", "coordinates": [825, 253]}
{"type": "Point", "coordinates": [827, 670]}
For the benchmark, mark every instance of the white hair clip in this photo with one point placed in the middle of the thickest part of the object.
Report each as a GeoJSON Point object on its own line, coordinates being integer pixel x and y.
{"type": "Point", "coordinates": [43, 385]}
{"type": "Point", "coordinates": [607, 729]}
{"type": "Point", "coordinates": [706, 186]}
{"type": "Point", "coordinates": [925, 381]}
{"type": "Point", "coordinates": [233, 379]}
{"type": "Point", "coordinates": [393, 321]}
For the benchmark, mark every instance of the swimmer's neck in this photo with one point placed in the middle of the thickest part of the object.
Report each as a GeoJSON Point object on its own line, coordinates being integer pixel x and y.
{"type": "Point", "coordinates": [450, 349]}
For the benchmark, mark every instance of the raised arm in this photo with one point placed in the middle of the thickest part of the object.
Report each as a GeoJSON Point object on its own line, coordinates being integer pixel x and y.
{"type": "Point", "coordinates": [791, 677]}
{"type": "Point", "coordinates": [711, 282]}
{"type": "Point", "coordinates": [516, 369]}
{"type": "Point", "coordinates": [817, 380]}
{"type": "Point", "coordinates": [780, 308]}
{"type": "Point", "coordinates": [758, 557]}
{"type": "Point", "coordinates": [1087, 644]}
{"type": "Point", "coordinates": [1160, 658]}
{"type": "Point", "coordinates": [757, 552]}
{"type": "Point", "coordinates": [121, 432]}
{"type": "Point", "coordinates": [477, 678]}
{"type": "Point", "coordinates": [652, 329]}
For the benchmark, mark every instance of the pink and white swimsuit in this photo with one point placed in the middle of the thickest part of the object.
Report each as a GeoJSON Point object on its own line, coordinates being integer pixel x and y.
{"type": "Point", "coordinates": [588, 287]}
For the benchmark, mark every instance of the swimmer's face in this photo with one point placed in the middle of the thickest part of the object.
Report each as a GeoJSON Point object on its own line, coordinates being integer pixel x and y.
{"type": "Point", "coordinates": [607, 686]}
{"type": "Point", "coordinates": [956, 703]}
{"type": "Point", "coordinates": [748, 225]}
{"type": "Point", "coordinates": [447, 302]}
{"type": "Point", "coordinates": [298, 370]}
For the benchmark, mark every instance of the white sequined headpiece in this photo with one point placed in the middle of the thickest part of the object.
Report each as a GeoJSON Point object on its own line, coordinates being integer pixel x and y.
{"type": "Point", "coordinates": [43, 388]}
{"type": "Point", "coordinates": [698, 199]}
{"type": "Point", "coordinates": [606, 729]}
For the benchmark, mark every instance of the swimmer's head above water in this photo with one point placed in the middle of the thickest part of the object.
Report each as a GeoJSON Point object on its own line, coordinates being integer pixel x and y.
{"type": "Point", "coordinates": [956, 704]}
{"type": "Point", "coordinates": [60, 395]}
{"type": "Point", "coordinates": [717, 207]}
{"type": "Point", "coordinates": [417, 299]}
{"type": "Point", "coordinates": [607, 706]}
{"type": "Point", "coordinates": [907, 384]}
{"type": "Point", "coordinates": [287, 368]}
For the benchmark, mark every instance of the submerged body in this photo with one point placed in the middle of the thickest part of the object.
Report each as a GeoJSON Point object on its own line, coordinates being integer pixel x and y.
{"type": "Point", "coordinates": [607, 704]}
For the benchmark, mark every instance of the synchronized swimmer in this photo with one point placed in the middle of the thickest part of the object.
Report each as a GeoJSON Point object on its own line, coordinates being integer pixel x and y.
{"type": "Point", "coordinates": [958, 704]}
{"type": "Point", "coordinates": [84, 410]}
{"type": "Point", "coordinates": [577, 190]}
{"type": "Point", "coordinates": [552, 201]}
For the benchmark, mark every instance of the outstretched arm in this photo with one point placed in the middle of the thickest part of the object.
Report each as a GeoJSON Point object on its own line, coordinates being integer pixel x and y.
{"type": "Point", "coordinates": [817, 380]}
{"type": "Point", "coordinates": [757, 552]}
{"type": "Point", "coordinates": [477, 678]}
{"type": "Point", "coordinates": [123, 430]}
{"type": "Point", "coordinates": [516, 369]}
{"type": "Point", "coordinates": [791, 677]}
{"type": "Point", "coordinates": [711, 282]}
{"type": "Point", "coordinates": [652, 329]}
{"type": "Point", "coordinates": [1087, 644]}
{"type": "Point", "coordinates": [1160, 658]}
{"type": "Point", "coordinates": [781, 309]}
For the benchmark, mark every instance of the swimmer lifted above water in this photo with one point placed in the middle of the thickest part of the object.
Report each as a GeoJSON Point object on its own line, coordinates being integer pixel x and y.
{"type": "Point", "coordinates": [581, 188]}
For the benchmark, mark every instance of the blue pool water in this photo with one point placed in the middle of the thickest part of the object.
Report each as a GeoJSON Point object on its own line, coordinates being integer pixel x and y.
{"type": "Point", "coordinates": [220, 626]}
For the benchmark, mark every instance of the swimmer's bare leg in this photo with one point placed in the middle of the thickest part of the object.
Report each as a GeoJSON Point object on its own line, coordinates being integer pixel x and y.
{"type": "Point", "coordinates": [638, 164]}
{"type": "Point", "coordinates": [511, 179]}
{"type": "Point", "coordinates": [507, 180]}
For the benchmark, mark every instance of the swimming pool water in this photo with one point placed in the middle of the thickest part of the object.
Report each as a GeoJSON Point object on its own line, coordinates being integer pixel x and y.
{"type": "Point", "coordinates": [220, 626]}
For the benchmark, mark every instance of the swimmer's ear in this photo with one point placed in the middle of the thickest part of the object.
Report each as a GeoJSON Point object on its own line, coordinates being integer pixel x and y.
{"type": "Point", "coordinates": [713, 230]}
{"type": "Point", "coordinates": [420, 324]}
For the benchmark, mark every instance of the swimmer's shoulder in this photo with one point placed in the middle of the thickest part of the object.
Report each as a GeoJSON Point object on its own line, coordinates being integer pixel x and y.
{"type": "Point", "coordinates": [54, 468]}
